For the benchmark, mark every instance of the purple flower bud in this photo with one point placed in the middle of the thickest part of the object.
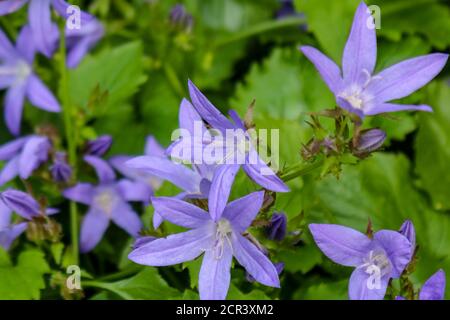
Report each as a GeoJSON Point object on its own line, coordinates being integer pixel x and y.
{"type": "Point", "coordinates": [277, 228]}
{"type": "Point", "coordinates": [407, 229]}
{"type": "Point", "coordinates": [21, 203]}
{"type": "Point", "coordinates": [99, 146]}
{"type": "Point", "coordinates": [369, 141]}
{"type": "Point", "coordinates": [61, 170]}
{"type": "Point", "coordinates": [180, 18]}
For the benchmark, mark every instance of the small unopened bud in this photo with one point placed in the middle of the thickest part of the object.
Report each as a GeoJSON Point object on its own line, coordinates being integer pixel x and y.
{"type": "Point", "coordinates": [180, 18]}
{"type": "Point", "coordinates": [277, 228]}
{"type": "Point", "coordinates": [99, 146]}
{"type": "Point", "coordinates": [61, 170]}
{"type": "Point", "coordinates": [368, 142]}
{"type": "Point", "coordinates": [407, 229]}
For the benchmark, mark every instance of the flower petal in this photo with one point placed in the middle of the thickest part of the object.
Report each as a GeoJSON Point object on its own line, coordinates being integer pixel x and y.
{"type": "Point", "coordinates": [365, 286]}
{"type": "Point", "coordinates": [10, 6]}
{"type": "Point", "coordinates": [207, 111]}
{"type": "Point", "coordinates": [174, 249]}
{"type": "Point", "coordinates": [434, 287]}
{"type": "Point", "coordinates": [397, 247]}
{"type": "Point", "coordinates": [178, 174]}
{"type": "Point", "coordinates": [343, 245]}
{"type": "Point", "coordinates": [104, 171]}
{"type": "Point", "coordinates": [34, 153]}
{"type": "Point", "coordinates": [45, 33]}
{"type": "Point", "coordinates": [214, 277]}
{"type": "Point", "coordinates": [242, 212]}
{"type": "Point", "coordinates": [9, 150]}
{"type": "Point", "coordinates": [220, 189]}
{"type": "Point", "coordinates": [10, 171]}
{"type": "Point", "coordinates": [8, 235]}
{"type": "Point", "coordinates": [25, 44]}
{"type": "Point", "coordinates": [392, 107]}
{"type": "Point", "coordinates": [360, 52]}
{"type": "Point", "coordinates": [402, 79]}
{"type": "Point", "coordinates": [254, 261]}
{"type": "Point", "coordinates": [407, 229]}
{"type": "Point", "coordinates": [93, 227]}
{"type": "Point", "coordinates": [81, 192]}
{"type": "Point", "coordinates": [327, 69]}
{"type": "Point", "coordinates": [5, 215]}
{"type": "Point", "coordinates": [40, 96]}
{"type": "Point", "coordinates": [135, 191]}
{"type": "Point", "coordinates": [153, 148]}
{"type": "Point", "coordinates": [14, 101]}
{"type": "Point", "coordinates": [21, 203]}
{"type": "Point", "coordinates": [127, 219]}
{"type": "Point", "coordinates": [7, 50]}
{"type": "Point", "coordinates": [180, 212]}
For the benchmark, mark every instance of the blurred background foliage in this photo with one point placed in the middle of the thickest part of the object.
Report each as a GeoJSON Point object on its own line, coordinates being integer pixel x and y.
{"type": "Point", "coordinates": [237, 51]}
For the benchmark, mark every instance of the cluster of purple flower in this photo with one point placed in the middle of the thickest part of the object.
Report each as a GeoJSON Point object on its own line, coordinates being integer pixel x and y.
{"type": "Point", "coordinates": [218, 230]}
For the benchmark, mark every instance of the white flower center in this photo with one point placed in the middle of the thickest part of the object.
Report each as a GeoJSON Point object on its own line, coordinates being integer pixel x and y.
{"type": "Point", "coordinates": [23, 71]}
{"type": "Point", "coordinates": [377, 260]}
{"type": "Point", "coordinates": [354, 96]}
{"type": "Point", "coordinates": [106, 200]}
{"type": "Point", "coordinates": [223, 233]}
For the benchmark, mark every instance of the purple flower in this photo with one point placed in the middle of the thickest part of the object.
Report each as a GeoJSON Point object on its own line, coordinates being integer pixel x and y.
{"type": "Point", "coordinates": [24, 205]}
{"type": "Point", "coordinates": [45, 33]}
{"type": "Point", "coordinates": [9, 232]}
{"type": "Point", "coordinates": [82, 39]}
{"type": "Point", "coordinates": [434, 287]}
{"type": "Point", "coordinates": [407, 229]}
{"type": "Point", "coordinates": [107, 201]}
{"type": "Point", "coordinates": [61, 170]}
{"type": "Point", "coordinates": [16, 75]}
{"type": "Point", "coordinates": [219, 237]}
{"type": "Point", "coordinates": [194, 182]}
{"type": "Point", "coordinates": [369, 141]}
{"type": "Point", "coordinates": [277, 228]}
{"type": "Point", "coordinates": [376, 260]}
{"type": "Point", "coordinates": [23, 156]}
{"type": "Point", "coordinates": [98, 147]}
{"type": "Point", "coordinates": [357, 89]}
{"type": "Point", "coordinates": [239, 147]}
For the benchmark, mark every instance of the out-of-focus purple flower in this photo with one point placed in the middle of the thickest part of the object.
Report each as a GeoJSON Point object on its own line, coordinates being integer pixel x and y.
{"type": "Point", "coordinates": [194, 182]}
{"type": "Point", "coordinates": [9, 232]}
{"type": "Point", "coordinates": [219, 237]}
{"type": "Point", "coordinates": [287, 10]}
{"type": "Point", "coordinates": [107, 201]}
{"type": "Point", "coordinates": [180, 18]}
{"type": "Point", "coordinates": [23, 156]}
{"type": "Point", "coordinates": [277, 228]}
{"type": "Point", "coordinates": [80, 39]}
{"type": "Point", "coordinates": [407, 229]}
{"type": "Point", "coordinates": [237, 150]}
{"type": "Point", "coordinates": [361, 92]}
{"type": "Point", "coordinates": [369, 141]}
{"type": "Point", "coordinates": [433, 288]}
{"type": "Point", "coordinates": [376, 260]}
{"type": "Point", "coordinates": [61, 170]}
{"type": "Point", "coordinates": [16, 75]}
{"type": "Point", "coordinates": [98, 147]}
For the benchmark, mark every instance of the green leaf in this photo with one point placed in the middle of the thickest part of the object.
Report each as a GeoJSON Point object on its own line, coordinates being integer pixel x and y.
{"type": "Point", "coordinates": [118, 71]}
{"type": "Point", "coordinates": [300, 259]}
{"type": "Point", "coordinates": [432, 147]}
{"type": "Point", "coordinates": [147, 284]}
{"type": "Point", "coordinates": [327, 291]}
{"type": "Point", "coordinates": [25, 279]}
{"type": "Point", "coordinates": [235, 294]}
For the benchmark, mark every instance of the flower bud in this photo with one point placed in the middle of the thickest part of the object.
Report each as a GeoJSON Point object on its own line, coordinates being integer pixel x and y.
{"type": "Point", "coordinates": [277, 228]}
{"type": "Point", "coordinates": [61, 170]}
{"type": "Point", "coordinates": [369, 141]}
{"type": "Point", "coordinates": [407, 229]}
{"type": "Point", "coordinates": [21, 203]}
{"type": "Point", "coordinates": [180, 18]}
{"type": "Point", "coordinates": [99, 146]}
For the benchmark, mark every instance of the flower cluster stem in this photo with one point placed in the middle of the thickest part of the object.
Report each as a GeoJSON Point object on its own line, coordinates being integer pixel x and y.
{"type": "Point", "coordinates": [299, 170]}
{"type": "Point", "coordinates": [70, 138]}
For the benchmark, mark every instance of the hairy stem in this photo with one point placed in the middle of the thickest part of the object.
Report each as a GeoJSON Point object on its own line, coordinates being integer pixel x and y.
{"type": "Point", "coordinates": [301, 170]}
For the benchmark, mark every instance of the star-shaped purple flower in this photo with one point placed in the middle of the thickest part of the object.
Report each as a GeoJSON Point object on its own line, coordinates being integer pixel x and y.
{"type": "Point", "coordinates": [24, 205]}
{"type": "Point", "coordinates": [107, 201]}
{"type": "Point", "coordinates": [238, 147]}
{"type": "Point", "coordinates": [218, 237]}
{"type": "Point", "coordinates": [23, 156]}
{"type": "Point", "coordinates": [46, 34]}
{"type": "Point", "coordinates": [194, 182]}
{"type": "Point", "coordinates": [357, 89]}
{"type": "Point", "coordinates": [16, 75]}
{"type": "Point", "coordinates": [376, 260]}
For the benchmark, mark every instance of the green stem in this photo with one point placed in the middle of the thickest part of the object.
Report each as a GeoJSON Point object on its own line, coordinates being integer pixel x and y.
{"type": "Point", "coordinates": [122, 274]}
{"type": "Point", "coordinates": [301, 170]}
{"type": "Point", "coordinates": [71, 145]}
{"type": "Point", "coordinates": [262, 28]}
